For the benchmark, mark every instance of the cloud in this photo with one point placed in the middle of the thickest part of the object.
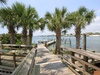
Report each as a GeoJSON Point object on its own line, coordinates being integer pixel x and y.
{"type": "Point", "coordinates": [97, 12]}
{"type": "Point", "coordinates": [94, 26]}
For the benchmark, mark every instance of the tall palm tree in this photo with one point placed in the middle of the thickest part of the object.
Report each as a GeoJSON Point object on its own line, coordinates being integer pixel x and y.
{"type": "Point", "coordinates": [81, 19]}
{"type": "Point", "coordinates": [35, 25]}
{"type": "Point", "coordinates": [7, 19]}
{"type": "Point", "coordinates": [56, 22]}
{"type": "Point", "coordinates": [3, 1]}
{"type": "Point", "coordinates": [21, 18]}
{"type": "Point", "coordinates": [32, 17]}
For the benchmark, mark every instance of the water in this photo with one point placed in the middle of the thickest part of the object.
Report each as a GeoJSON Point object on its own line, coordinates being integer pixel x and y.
{"type": "Point", "coordinates": [93, 42]}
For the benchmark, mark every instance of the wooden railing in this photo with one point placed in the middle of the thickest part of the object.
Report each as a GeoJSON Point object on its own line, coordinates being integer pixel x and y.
{"type": "Point", "coordinates": [14, 46]}
{"type": "Point", "coordinates": [27, 66]}
{"type": "Point", "coordinates": [50, 43]}
{"type": "Point", "coordinates": [13, 56]}
{"type": "Point", "coordinates": [81, 62]}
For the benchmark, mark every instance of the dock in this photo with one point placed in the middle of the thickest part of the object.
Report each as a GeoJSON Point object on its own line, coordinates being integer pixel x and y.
{"type": "Point", "coordinates": [40, 61]}
{"type": "Point", "coordinates": [50, 64]}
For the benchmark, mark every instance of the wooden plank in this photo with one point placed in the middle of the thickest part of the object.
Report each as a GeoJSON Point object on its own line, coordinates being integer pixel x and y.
{"type": "Point", "coordinates": [86, 63]}
{"type": "Point", "coordinates": [7, 68]}
{"type": "Point", "coordinates": [12, 55]}
{"type": "Point", "coordinates": [14, 60]}
{"type": "Point", "coordinates": [50, 42]}
{"type": "Point", "coordinates": [18, 46]}
{"type": "Point", "coordinates": [0, 59]}
{"type": "Point", "coordinates": [84, 53]}
{"type": "Point", "coordinates": [83, 62]}
{"type": "Point", "coordinates": [7, 60]}
{"type": "Point", "coordinates": [24, 67]}
{"type": "Point", "coordinates": [86, 73]}
{"type": "Point", "coordinates": [70, 67]}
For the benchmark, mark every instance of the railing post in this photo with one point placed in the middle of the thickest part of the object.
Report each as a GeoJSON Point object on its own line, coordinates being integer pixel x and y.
{"type": "Point", "coordinates": [84, 41]}
{"type": "Point", "coordinates": [93, 59]}
{"type": "Point", "coordinates": [85, 67]}
{"type": "Point", "coordinates": [0, 58]}
{"type": "Point", "coordinates": [45, 44]}
{"type": "Point", "coordinates": [73, 60]}
{"type": "Point", "coordinates": [35, 45]}
{"type": "Point", "coordinates": [37, 69]}
{"type": "Point", "coordinates": [72, 54]}
{"type": "Point", "coordinates": [61, 53]}
{"type": "Point", "coordinates": [35, 52]}
{"type": "Point", "coordinates": [2, 47]}
{"type": "Point", "coordinates": [14, 60]}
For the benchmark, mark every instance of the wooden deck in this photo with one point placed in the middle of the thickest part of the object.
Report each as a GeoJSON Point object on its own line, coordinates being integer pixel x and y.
{"type": "Point", "coordinates": [50, 64]}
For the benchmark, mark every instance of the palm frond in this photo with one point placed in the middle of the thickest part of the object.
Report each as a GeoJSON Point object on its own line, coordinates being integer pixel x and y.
{"type": "Point", "coordinates": [3, 1]}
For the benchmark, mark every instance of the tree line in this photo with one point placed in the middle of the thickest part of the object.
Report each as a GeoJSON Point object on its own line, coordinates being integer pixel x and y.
{"type": "Point", "coordinates": [19, 16]}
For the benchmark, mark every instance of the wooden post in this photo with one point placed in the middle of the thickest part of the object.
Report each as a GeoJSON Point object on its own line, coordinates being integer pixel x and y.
{"type": "Point", "coordinates": [0, 58]}
{"type": "Point", "coordinates": [46, 45]}
{"type": "Point", "coordinates": [2, 47]}
{"type": "Point", "coordinates": [93, 59]}
{"type": "Point", "coordinates": [35, 52]}
{"type": "Point", "coordinates": [19, 47]}
{"type": "Point", "coordinates": [35, 46]}
{"type": "Point", "coordinates": [70, 42]}
{"type": "Point", "coordinates": [85, 67]}
{"type": "Point", "coordinates": [73, 60]}
{"type": "Point", "coordinates": [61, 53]}
{"type": "Point", "coordinates": [14, 59]}
{"type": "Point", "coordinates": [72, 54]}
{"type": "Point", "coordinates": [37, 69]}
{"type": "Point", "coordinates": [84, 40]}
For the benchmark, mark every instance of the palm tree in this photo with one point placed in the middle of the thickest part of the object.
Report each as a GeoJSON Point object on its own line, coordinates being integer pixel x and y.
{"type": "Point", "coordinates": [3, 1]}
{"type": "Point", "coordinates": [56, 22]}
{"type": "Point", "coordinates": [21, 18]}
{"type": "Point", "coordinates": [35, 25]}
{"type": "Point", "coordinates": [7, 19]}
{"type": "Point", "coordinates": [64, 32]}
{"type": "Point", "coordinates": [32, 17]}
{"type": "Point", "coordinates": [81, 19]}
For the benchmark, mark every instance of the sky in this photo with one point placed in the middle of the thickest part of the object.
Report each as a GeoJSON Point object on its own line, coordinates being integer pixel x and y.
{"type": "Point", "coordinates": [43, 6]}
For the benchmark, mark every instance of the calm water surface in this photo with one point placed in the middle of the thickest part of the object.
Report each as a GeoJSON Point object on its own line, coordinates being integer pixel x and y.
{"type": "Point", "coordinates": [93, 42]}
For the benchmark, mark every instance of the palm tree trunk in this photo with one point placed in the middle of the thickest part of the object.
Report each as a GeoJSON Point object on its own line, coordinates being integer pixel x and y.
{"type": "Point", "coordinates": [78, 32]}
{"type": "Point", "coordinates": [24, 36]}
{"type": "Point", "coordinates": [30, 36]}
{"type": "Point", "coordinates": [12, 35]}
{"type": "Point", "coordinates": [58, 41]}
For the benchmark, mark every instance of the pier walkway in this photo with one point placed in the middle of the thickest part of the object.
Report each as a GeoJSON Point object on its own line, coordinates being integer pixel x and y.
{"type": "Point", "coordinates": [50, 64]}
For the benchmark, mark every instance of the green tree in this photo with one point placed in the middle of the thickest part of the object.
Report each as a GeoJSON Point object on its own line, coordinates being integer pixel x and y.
{"type": "Point", "coordinates": [7, 19]}
{"type": "Point", "coordinates": [64, 32]}
{"type": "Point", "coordinates": [21, 18]}
{"type": "Point", "coordinates": [56, 22]}
{"type": "Point", "coordinates": [35, 25]}
{"type": "Point", "coordinates": [3, 1]}
{"type": "Point", "coordinates": [32, 16]}
{"type": "Point", "coordinates": [5, 38]}
{"type": "Point", "coordinates": [80, 19]}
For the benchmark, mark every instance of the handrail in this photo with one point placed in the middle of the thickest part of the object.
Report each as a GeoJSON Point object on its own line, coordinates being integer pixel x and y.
{"type": "Point", "coordinates": [83, 60]}
{"type": "Point", "coordinates": [26, 65]}
{"type": "Point", "coordinates": [49, 43]}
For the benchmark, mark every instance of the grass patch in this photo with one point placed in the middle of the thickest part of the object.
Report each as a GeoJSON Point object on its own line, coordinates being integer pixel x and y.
{"type": "Point", "coordinates": [67, 52]}
{"type": "Point", "coordinates": [53, 51]}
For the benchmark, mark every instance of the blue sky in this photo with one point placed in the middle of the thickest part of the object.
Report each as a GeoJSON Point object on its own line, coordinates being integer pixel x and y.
{"type": "Point", "coordinates": [42, 6]}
